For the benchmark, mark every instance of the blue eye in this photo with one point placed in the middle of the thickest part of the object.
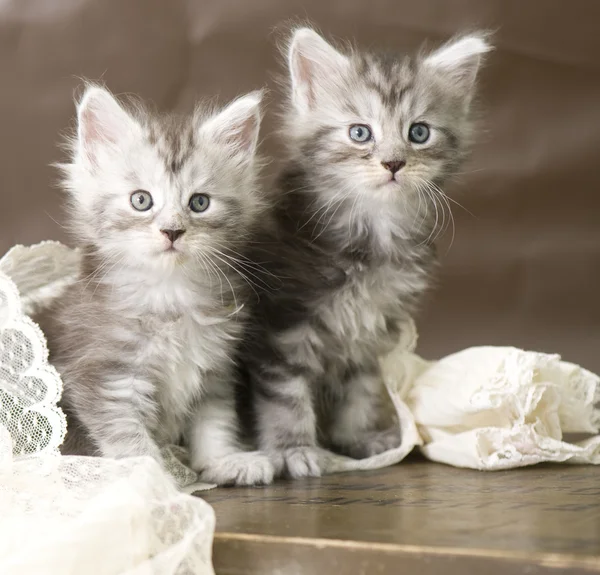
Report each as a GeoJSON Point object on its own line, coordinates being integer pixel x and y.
{"type": "Point", "coordinates": [141, 200]}
{"type": "Point", "coordinates": [360, 133]}
{"type": "Point", "coordinates": [419, 133]}
{"type": "Point", "coordinates": [199, 203]}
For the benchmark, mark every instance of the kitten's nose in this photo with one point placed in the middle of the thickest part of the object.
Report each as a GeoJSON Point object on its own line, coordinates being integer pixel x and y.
{"type": "Point", "coordinates": [393, 166]}
{"type": "Point", "coordinates": [173, 234]}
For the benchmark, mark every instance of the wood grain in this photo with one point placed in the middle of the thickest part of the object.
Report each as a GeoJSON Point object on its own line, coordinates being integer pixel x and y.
{"type": "Point", "coordinates": [416, 516]}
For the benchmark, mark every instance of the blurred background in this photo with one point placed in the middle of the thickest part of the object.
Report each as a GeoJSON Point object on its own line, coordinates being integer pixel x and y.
{"type": "Point", "coordinates": [524, 266]}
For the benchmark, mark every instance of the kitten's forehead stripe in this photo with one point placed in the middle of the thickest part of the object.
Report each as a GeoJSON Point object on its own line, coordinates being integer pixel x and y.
{"type": "Point", "coordinates": [351, 109]}
{"type": "Point", "coordinates": [174, 140]}
{"type": "Point", "coordinates": [384, 75]}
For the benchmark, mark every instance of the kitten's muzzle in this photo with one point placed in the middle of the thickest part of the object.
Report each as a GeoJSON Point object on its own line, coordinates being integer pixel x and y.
{"type": "Point", "coordinates": [172, 235]}
{"type": "Point", "coordinates": [394, 166]}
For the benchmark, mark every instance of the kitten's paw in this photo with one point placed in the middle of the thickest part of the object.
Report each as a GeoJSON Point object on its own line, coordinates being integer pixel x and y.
{"type": "Point", "coordinates": [297, 462]}
{"type": "Point", "coordinates": [243, 468]}
{"type": "Point", "coordinates": [373, 443]}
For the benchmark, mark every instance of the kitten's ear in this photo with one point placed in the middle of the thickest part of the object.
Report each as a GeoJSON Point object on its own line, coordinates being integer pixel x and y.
{"type": "Point", "coordinates": [237, 125]}
{"type": "Point", "coordinates": [459, 60]}
{"type": "Point", "coordinates": [103, 125]}
{"type": "Point", "coordinates": [314, 65]}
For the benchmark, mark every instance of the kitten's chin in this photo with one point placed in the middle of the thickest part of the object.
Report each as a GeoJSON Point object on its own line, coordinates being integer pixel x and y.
{"type": "Point", "coordinates": [169, 258]}
{"type": "Point", "coordinates": [392, 184]}
{"type": "Point", "coordinates": [170, 252]}
{"type": "Point", "coordinates": [388, 187]}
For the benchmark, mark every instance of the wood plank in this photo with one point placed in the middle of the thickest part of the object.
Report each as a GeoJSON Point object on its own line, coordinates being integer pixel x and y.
{"type": "Point", "coordinates": [416, 515]}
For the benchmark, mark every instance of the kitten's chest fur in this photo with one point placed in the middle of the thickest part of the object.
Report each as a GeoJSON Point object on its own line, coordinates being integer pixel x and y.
{"type": "Point", "coordinates": [164, 341]}
{"type": "Point", "coordinates": [184, 348]}
{"type": "Point", "coordinates": [180, 354]}
{"type": "Point", "coordinates": [368, 298]}
{"type": "Point", "coordinates": [351, 287]}
{"type": "Point", "coordinates": [358, 318]}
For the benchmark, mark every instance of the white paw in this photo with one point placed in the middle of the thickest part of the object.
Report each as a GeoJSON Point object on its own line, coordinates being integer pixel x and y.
{"type": "Point", "coordinates": [243, 468]}
{"type": "Point", "coordinates": [298, 462]}
{"type": "Point", "coordinates": [373, 443]}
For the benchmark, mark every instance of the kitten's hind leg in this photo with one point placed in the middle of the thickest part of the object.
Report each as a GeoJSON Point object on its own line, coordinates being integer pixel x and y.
{"type": "Point", "coordinates": [286, 422]}
{"type": "Point", "coordinates": [357, 422]}
{"type": "Point", "coordinates": [215, 452]}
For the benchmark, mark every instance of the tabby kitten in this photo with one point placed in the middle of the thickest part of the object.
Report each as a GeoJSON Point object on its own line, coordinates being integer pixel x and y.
{"type": "Point", "coordinates": [144, 341]}
{"type": "Point", "coordinates": [371, 138]}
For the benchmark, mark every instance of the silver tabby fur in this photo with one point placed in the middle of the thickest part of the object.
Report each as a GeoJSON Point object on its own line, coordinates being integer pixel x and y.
{"type": "Point", "coordinates": [351, 243]}
{"type": "Point", "coordinates": [145, 341]}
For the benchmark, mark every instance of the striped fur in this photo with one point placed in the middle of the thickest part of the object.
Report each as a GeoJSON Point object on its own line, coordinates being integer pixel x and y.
{"type": "Point", "coordinates": [351, 244]}
{"type": "Point", "coordinates": [145, 341]}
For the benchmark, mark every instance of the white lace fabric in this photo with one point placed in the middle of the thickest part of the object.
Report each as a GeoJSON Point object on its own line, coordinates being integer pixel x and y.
{"type": "Point", "coordinates": [77, 514]}
{"type": "Point", "coordinates": [482, 408]}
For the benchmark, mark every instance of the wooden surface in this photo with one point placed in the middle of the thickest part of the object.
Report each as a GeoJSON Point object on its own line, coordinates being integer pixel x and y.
{"type": "Point", "coordinates": [415, 517]}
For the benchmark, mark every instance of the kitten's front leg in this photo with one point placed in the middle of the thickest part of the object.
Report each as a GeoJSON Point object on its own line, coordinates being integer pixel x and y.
{"type": "Point", "coordinates": [116, 417]}
{"type": "Point", "coordinates": [214, 448]}
{"type": "Point", "coordinates": [358, 417]}
{"type": "Point", "coordinates": [286, 421]}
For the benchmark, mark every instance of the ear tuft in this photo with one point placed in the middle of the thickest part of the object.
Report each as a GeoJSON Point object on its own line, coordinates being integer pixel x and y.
{"type": "Point", "coordinates": [102, 124]}
{"type": "Point", "coordinates": [460, 59]}
{"type": "Point", "coordinates": [314, 65]}
{"type": "Point", "coordinates": [237, 126]}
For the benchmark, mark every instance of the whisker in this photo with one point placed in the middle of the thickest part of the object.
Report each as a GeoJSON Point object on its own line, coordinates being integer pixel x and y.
{"type": "Point", "coordinates": [56, 222]}
{"type": "Point", "coordinates": [227, 280]}
{"type": "Point", "coordinates": [420, 191]}
{"type": "Point", "coordinates": [208, 271]}
{"type": "Point", "coordinates": [115, 264]}
{"type": "Point", "coordinates": [435, 193]}
{"type": "Point", "coordinates": [246, 262]}
{"type": "Point", "coordinates": [324, 207]}
{"type": "Point", "coordinates": [300, 189]}
{"type": "Point", "coordinates": [447, 200]}
{"type": "Point", "coordinates": [212, 268]}
{"type": "Point", "coordinates": [237, 262]}
{"type": "Point", "coordinates": [442, 193]}
{"type": "Point", "coordinates": [351, 228]}
{"type": "Point", "coordinates": [337, 206]}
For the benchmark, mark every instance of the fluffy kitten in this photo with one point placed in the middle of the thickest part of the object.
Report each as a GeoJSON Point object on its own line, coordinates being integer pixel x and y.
{"type": "Point", "coordinates": [144, 341]}
{"type": "Point", "coordinates": [371, 139]}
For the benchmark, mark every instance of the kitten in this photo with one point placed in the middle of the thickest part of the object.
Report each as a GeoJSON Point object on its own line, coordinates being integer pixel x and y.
{"type": "Point", "coordinates": [370, 139]}
{"type": "Point", "coordinates": [144, 341]}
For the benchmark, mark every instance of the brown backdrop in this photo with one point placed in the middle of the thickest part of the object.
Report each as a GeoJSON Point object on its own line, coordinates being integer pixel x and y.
{"type": "Point", "coordinates": [524, 267]}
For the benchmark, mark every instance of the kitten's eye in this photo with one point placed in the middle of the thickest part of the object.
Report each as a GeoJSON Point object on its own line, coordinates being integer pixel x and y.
{"type": "Point", "coordinates": [141, 200]}
{"type": "Point", "coordinates": [199, 203]}
{"type": "Point", "coordinates": [360, 133]}
{"type": "Point", "coordinates": [419, 133]}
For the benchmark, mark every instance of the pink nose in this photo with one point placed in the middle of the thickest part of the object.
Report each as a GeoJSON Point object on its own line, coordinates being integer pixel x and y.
{"type": "Point", "coordinates": [393, 166]}
{"type": "Point", "coordinates": [173, 234]}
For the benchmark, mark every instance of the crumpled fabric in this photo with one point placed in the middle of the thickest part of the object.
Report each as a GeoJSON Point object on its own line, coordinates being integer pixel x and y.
{"type": "Point", "coordinates": [492, 408]}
